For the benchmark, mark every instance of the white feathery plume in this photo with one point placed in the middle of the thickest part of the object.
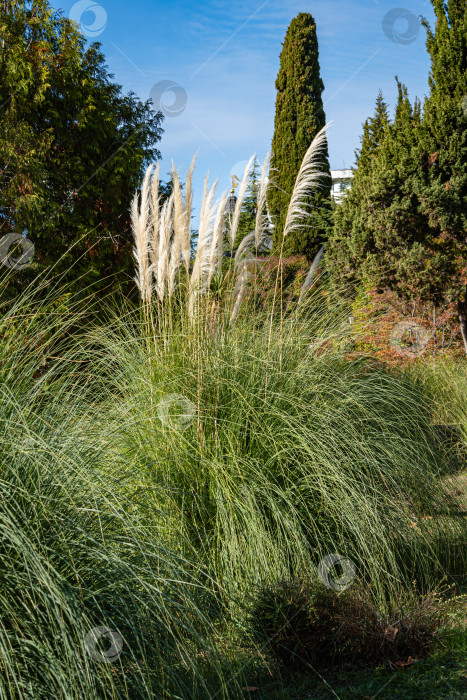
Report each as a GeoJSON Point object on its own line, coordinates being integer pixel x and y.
{"type": "Point", "coordinates": [155, 219]}
{"type": "Point", "coordinates": [204, 234]}
{"type": "Point", "coordinates": [239, 291]}
{"type": "Point", "coordinates": [254, 239]}
{"type": "Point", "coordinates": [139, 247]}
{"type": "Point", "coordinates": [312, 272]}
{"type": "Point", "coordinates": [242, 189]}
{"type": "Point", "coordinates": [196, 271]}
{"type": "Point", "coordinates": [245, 244]}
{"type": "Point", "coordinates": [209, 241]}
{"type": "Point", "coordinates": [262, 219]}
{"type": "Point", "coordinates": [308, 178]}
{"type": "Point", "coordinates": [250, 244]}
{"type": "Point", "coordinates": [243, 280]}
{"type": "Point", "coordinates": [241, 284]}
{"type": "Point", "coordinates": [186, 249]}
{"type": "Point", "coordinates": [165, 236]}
{"type": "Point", "coordinates": [179, 232]}
{"type": "Point", "coordinates": [242, 262]}
{"type": "Point", "coordinates": [200, 266]}
{"type": "Point", "coordinates": [175, 263]}
{"type": "Point", "coordinates": [220, 249]}
{"type": "Point", "coordinates": [140, 220]}
{"type": "Point", "coordinates": [217, 240]}
{"type": "Point", "coordinates": [178, 204]}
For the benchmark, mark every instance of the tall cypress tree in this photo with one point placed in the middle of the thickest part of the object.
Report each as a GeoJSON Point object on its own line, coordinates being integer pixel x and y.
{"type": "Point", "coordinates": [299, 117]}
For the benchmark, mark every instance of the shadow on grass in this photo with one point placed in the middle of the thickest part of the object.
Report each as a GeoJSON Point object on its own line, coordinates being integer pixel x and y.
{"type": "Point", "coordinates": [443, 676]}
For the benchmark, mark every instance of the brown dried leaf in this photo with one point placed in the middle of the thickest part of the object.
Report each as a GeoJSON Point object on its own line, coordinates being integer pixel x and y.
{"type": "Point", "coordinates": [390, 633]}
{"type": "Point", "coordinates": [401, 664]}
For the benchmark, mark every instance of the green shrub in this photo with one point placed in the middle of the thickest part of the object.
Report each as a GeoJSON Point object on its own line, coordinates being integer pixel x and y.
{"type": "Point", "coordinates": [304, 623]}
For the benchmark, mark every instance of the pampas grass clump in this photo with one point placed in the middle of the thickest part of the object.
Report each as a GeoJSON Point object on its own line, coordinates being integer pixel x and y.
{"type": "Point", "coordinates": [286, 451]}
{"type": "Point", "coordinates": [162, 234]}
{"type": "Point", "coordinates": [78, 556]}
{"type": "Point", "coordinates": [295, 451]}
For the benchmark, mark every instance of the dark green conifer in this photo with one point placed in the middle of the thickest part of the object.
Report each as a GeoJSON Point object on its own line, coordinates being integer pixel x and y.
{"type": "Point", "coordinates": [408, 229]}
{"type": "Point", "coordinates": [349, 235]}
{"type": "Point", "coordinates": [299, 117]}
{"type": "Point", "coordinates": [443, 185]}
{"type": "Point", "coordinates": [248, 216]}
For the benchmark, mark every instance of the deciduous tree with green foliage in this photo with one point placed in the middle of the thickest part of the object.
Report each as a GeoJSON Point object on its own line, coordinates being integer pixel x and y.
{"type": "Point", "coordinates": [72, 146]}
{"type": "Point", "coordinates": [299, 117]}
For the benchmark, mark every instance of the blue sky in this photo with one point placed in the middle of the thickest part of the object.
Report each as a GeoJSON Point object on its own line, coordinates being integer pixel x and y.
{"type": "Point", "coordinates": [223, 58]}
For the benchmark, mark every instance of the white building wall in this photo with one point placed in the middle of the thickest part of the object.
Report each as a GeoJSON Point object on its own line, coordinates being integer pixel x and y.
{"type": "Point", "coordinates": [341, 181]}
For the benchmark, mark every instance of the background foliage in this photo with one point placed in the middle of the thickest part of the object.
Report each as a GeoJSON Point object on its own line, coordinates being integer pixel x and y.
{"type": "Point", "coordinates": [72, 146]}
{"type": "Point", "coordinates": [403, 225]}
